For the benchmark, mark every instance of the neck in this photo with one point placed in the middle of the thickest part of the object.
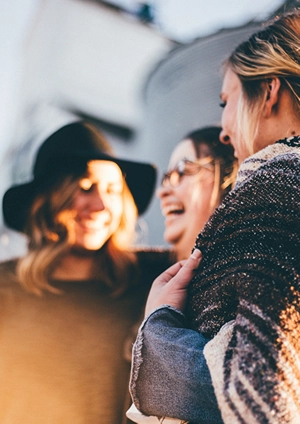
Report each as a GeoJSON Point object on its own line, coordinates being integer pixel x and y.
{"type": "Point", "coordinates": [75, 266]}
{"type": "Point", "coordinates": [285, 121]}
{"type": "Point", "coordinates": [290, 131]}
{"type": "Point", "coordinates": [181, 252]}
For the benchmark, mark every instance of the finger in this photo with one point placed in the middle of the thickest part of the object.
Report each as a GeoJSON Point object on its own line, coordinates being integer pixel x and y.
{"type": "Point", "coordinates": [194, 260]}
{"type": "Point", "coordinates": [167, 275]}
{"type": "Point", "coordinates": [186, 272]}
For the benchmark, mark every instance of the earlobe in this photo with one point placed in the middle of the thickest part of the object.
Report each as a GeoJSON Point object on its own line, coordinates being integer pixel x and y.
{"type": "Point", "coordinates": [273, 87]}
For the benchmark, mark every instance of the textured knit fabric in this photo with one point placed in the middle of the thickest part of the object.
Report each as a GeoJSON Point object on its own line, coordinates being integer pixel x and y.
{"type": "Point", "coordinates": [214, 352]}
{"type": "Point", "coordinates": [250, 272]}
{"type": "Point", "coordinates": [62, 355]}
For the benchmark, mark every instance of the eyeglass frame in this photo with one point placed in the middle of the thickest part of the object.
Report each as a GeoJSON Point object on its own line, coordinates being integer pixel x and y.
{"type": "Point", "coordinates": [207, 163]}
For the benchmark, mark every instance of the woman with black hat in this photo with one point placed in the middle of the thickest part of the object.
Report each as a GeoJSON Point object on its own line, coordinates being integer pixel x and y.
{"type": "Point", "coordinates": [69, 304]}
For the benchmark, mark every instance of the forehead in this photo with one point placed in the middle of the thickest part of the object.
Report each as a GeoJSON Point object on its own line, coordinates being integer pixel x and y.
{"type": "Point", "coordinates": [231, 84]}
{"type": "Point", "coordinates": [184, 150]}
{"type": "Point", "coordinates": [104, 170]}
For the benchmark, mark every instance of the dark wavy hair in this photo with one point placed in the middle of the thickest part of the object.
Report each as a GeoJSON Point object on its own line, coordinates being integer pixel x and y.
{"type": "Point", "coordinates": [225, 164]}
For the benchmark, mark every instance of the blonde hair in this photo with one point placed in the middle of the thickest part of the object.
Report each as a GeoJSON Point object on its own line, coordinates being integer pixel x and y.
{"type": "Point", "coordinates": [49, 241]}
{"type": "Point", "coordinates": [224, 179]}
{"type": "Point", "coordinates": [273, 51]}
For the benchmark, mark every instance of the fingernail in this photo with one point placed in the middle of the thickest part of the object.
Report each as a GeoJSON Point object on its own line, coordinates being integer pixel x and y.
{"type": "Point", "coordinates": [196, 254]}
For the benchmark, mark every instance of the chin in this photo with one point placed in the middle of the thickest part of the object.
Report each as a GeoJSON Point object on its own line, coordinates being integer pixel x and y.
{"type": "Point", "coordinates": [90, 245]}
{"type": "Point", "coordinates": [92, 248]}
{"type": "Point", "coordinates": [171, 237]}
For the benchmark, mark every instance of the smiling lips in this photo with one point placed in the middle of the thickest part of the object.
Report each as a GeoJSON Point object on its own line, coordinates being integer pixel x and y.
{"type": "Point", "coordinates": [172, 209]}
{"type": "Point", "coordinates": [91, 225]}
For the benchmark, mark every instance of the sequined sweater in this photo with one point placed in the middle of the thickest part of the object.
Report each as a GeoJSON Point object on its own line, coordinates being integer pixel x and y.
{"type": "Point", "coordinates": [250, 273]}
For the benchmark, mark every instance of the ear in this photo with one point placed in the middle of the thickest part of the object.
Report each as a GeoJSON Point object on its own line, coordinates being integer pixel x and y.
{"type": "Point", "coordinates": [273, 86]}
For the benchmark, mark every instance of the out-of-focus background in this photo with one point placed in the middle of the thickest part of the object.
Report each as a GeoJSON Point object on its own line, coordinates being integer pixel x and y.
{"type": "Point", "coordinates": [145, 72]}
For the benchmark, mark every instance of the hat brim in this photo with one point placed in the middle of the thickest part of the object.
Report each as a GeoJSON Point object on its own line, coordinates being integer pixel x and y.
{"type": "Point", "coordinates": [140, 178]}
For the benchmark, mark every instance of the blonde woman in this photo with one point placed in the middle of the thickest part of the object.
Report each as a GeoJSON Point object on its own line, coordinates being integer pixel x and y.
{"type": "Point", "coordinates": [68, 306]}
{"type": "Point", "coordinates": [243, 300]}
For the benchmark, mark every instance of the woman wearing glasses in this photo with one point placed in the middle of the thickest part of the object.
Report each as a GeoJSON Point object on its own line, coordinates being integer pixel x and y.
{"type": "Point", "coordinates": [201, 172]}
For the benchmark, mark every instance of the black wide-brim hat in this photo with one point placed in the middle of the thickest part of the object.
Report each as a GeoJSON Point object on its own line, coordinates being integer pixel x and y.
{"type": "Point", "coordinates": [66, 152]}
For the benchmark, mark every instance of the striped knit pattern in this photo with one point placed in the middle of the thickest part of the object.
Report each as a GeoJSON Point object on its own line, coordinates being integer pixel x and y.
{"type": "Point", "coordinates": [250, 272]}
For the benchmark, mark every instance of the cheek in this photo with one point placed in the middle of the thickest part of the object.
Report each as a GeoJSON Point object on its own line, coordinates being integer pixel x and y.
{"type": "Point", "coordinates": [227, 119]}
{"type": "Point", "coordinates": [116, 209]}
{"type": "Point", "coordinates": [186, 190]}
{"type": "Point", "coordinates": [200, 201]}
{"type": "Point", "coordinates": [78, 203]}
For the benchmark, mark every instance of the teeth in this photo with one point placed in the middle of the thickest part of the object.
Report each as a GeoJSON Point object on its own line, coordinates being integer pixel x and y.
{"type": "Point", "coordinates": [172, 209]}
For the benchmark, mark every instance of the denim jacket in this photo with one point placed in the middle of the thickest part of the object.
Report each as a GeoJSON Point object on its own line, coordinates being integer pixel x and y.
{"type": "Point", "coordinates": [169, 376]}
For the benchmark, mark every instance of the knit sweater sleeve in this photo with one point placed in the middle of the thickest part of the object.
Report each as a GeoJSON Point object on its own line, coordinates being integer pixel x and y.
{"type": "Point", "coordinates": [250, 273]}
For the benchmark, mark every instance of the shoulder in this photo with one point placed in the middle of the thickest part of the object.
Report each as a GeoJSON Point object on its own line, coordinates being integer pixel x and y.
{"type": "Point", "coordinates": [276, 164]}
{"type": "Point", "coordinates": [270, 178]}
{"type": "Point", "coordinates": [267, 193]}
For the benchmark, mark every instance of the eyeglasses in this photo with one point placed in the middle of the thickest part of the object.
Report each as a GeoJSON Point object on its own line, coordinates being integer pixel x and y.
{"type": "Point", "coordinates": [186, 167]}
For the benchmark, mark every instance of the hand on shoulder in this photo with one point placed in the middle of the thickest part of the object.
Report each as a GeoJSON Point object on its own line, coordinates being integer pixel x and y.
{"type": "Point", "coordinates": [170, 288]}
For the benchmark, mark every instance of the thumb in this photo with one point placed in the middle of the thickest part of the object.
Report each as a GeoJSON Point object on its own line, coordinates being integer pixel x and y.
{"type": "Point", "coordinates": [194, 260]}
{"type": "Point", "coordinates": [186, 272]}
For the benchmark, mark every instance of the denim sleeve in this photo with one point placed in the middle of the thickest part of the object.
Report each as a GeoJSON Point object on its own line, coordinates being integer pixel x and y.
{"type": "Point", "coordinates": [169, 376]}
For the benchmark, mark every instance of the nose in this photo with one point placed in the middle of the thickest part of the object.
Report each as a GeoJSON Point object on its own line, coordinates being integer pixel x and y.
{"type": "Point", "coordinates": [163, 191]}
{"type": "Point", "coordinates": [97, 203]}
{"type": "Point", "coordinates": [224, 138]}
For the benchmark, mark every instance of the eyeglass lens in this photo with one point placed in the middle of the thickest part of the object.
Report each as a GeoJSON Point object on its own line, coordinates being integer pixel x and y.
{"type": "Point", "coordinates": [184, 167]}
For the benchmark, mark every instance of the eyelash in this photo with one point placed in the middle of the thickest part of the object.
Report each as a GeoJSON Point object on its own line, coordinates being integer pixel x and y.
{"type": "Point", "coordinates": [222, 105]}
{"type": "Point", "coordinates": [110, 190]}
{"type": "Point", "coordinates": [86, 189]}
